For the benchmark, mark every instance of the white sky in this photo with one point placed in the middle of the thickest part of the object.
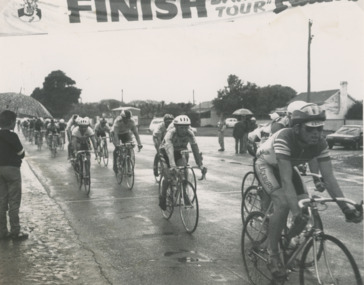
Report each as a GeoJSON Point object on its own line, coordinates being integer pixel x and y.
{"type": "Point", "coordinates": [169, 63]}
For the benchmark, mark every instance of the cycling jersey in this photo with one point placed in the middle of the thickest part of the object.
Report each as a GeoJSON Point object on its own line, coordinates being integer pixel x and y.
{"type": "Point", "coordinates": [121, 127]}
{"type": "Point", "coordinates": [160, 131]}
{"type": "Point", "coordinates": [62, 126]}
{"type": "Point", "coordinates": [82, 139]}
{"type": "Point", "coordinates": [38, 126]}
{"type": "Point", "coordinates": [100, 130]}
{"type": "Point", "coordinates": [52, 129]}
{"type": "Point", "coordinates": [284, 144]}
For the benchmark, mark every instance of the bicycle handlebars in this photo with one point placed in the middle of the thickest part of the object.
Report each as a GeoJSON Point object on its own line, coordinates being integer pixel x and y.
{"type": "Point", "coordinates": [302, 202]}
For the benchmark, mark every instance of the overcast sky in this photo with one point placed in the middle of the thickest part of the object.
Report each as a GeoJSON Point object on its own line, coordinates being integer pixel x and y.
{"type": "Point", "coordinates": [169, 63]}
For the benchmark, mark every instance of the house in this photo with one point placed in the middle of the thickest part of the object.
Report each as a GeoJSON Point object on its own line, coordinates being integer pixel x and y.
{"type": "Point", "coordinates": [336, 102]}
{"type": "Point", "coordinates": [207, 114]}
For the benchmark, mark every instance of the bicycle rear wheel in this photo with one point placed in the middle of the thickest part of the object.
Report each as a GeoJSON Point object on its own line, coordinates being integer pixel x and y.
{"type": "Point", "coordinates": [157, 168]}
{"type": "Point", "coordinates": [248, 180]}
{"type": "Point", "coordinates": [335, 265]}
{"type": "Point", "coordinates": [128, 173]}
{"type": "Point", "coordinates": [188, 207]}
{"type": "Point", "coordinates": [254, 249]}
{"type": "Point", "coordinates": [167, 214]}
{"type": "Point", "coordinates": [105, 156]}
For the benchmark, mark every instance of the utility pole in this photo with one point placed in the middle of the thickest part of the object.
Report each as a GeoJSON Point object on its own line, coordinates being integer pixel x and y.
{"type": "Point", "coordinates": [310, 37]}
{"type": "Point", "coordinates": [193, 96]}
{"type": "Point", "coordinates": [122, 96]}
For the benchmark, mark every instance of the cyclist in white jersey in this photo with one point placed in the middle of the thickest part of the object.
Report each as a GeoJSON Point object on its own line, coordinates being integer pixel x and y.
{"type": "Point", "coordinates": [178, 136]}
{"type": "Point", "coordinates": [81, 134]}
{"type": "Point", "coordinates": [274, 167]}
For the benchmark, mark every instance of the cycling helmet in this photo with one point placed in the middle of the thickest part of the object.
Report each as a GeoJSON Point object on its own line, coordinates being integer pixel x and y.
{"type": "Point", "coordinates": [168, 118]}
{"type": "Point", "coordinates": [296, 105]}
{"type": "Point", "coordinates": [311, 115]}
{"type": "Point", "coordinates": [61, 121]}
{"type": "Point", "coordinates": [83, 122]}
{"type": "Point", "coordinates": [253, 119]}
{"type": "Point", "coordinates": [182, 120]}
{"type": "Point", "coordinates": [103, 121]}
{"type": "Point", "coordinates": [125, 114]}
{"type": "Point", "coordinates": [274, 116]}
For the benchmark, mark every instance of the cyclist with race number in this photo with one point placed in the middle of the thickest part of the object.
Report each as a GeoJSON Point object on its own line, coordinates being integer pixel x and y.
{"type": "Point", "coordinates": [276, 158]}
{"type": "Point", "coordinates": [123, 126]}
{"type": "Point", "coordinates": [81, 134]}
{"type": "Point", "coordinates": [158, 135]}
{"type": "Point", "coordinates": [178, 136]}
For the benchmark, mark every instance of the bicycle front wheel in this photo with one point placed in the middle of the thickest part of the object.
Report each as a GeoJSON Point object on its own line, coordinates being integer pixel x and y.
{"type": "Point", "coordinates": [188, 208]}
{"type": "Point", "coordinates": [251, 201]}
{"type": "Point", "coordinates": [119, 166]}
{"type": "Point", "coordinates": [335, 265]}
{"type": "Point", "coordinates": [157, 169]}
{"type": "Point", "coordinates": [99, 154]}
{"type": "Point", "coordinates": [105, 156]}
{"type": "Point", "coordinates": [167, 214]}
{"type": "Point", "coordinates": [128, 173]}
{"type": "Point", "coordinates": [87, 178]}
{"type": "Point", "coordinates": [248, 180]}
{"type": "Point", "coordinates": [254, 249]}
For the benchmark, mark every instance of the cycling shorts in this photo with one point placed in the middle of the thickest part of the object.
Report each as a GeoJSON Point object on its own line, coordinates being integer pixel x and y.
{"type": "Point", "coordinates": [100, 133]}
{"type": "Point", "coordinates": [164, 157]}
{"type": "Point", "coordinates": [270, 179]}
{"type": "Point", "coordinates": [125, 138]}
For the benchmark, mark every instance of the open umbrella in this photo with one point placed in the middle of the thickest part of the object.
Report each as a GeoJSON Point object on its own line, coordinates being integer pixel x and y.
{"type": "Point", "coordinates": [242, 112]}
{"type": "Point", "coordinates": [22, 105]}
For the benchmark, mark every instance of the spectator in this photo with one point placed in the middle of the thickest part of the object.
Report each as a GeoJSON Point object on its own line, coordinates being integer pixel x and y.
{"type": "Point", "coordinates": [252, 124]}
{"type": "Point", "coordinates": [221, 126]}
{"type": "Point", "coordinates": [239, 132]}
{"type": "Point", "coordinates": [11, 155]}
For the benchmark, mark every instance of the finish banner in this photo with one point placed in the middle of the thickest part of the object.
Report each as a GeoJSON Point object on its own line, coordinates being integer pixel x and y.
{"type": "Point", "coordinates": [24, 17]}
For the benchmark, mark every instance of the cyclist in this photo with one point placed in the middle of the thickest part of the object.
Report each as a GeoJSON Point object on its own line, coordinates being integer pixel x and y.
{"type": "Point", "coordinates": [31, 129]}
{"type": "Point", "coordinates": [101, 128]}
{"type": "Point", "coordinates": [158, 135]}
{"type": "Point", "coordinates": [38, 127]}
{"type": "Point", "coordinates": [274, 167]}
{"type": "Point", "coordinates": [176, 139]}
{"type": "Point", "coordinates": [81, 135]}
{"type": "Point", "coordinates": [70, 125]}
{"type": "Point", "coordinates": [121, 129]}
{"type": "Point", "coordinates": [52, 129]}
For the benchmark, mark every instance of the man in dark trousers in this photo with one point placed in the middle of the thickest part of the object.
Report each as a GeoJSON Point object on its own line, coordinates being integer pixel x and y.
{"type": "Point", "coordinates": [240, 128]}
{"type": "Point", "coordinates": [11, 155]}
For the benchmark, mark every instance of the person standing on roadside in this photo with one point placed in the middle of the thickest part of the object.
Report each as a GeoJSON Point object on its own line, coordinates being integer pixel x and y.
{"type": "Point", "coordinates": [240, 129]}
{"type": "Point", "coordinates": [221, 126]}
{"type": "Point", "coordinates": [11, 155]}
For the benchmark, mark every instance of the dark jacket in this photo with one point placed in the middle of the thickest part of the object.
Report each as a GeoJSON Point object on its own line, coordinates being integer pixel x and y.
{"type": "Point", "coordinates": [240, 129]}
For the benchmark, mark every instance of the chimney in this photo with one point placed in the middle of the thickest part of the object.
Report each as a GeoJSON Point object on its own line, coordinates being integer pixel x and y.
{"type": "Point", "coordinates": [343, 98]}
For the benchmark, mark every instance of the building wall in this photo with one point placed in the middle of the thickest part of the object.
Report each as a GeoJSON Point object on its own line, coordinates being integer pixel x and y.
{"type": "Point", "coordinates": [212, 121]}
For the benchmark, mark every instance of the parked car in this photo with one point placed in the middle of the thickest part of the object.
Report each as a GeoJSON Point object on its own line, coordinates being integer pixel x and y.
{"type": "Point", "coordinates": [155, 123]}
{"type": "Point", "coordinates": [230, 122]}
{"type": "Point", "coordinates": [347, 136]}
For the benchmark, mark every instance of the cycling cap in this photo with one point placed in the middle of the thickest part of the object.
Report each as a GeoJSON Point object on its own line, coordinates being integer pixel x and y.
{"type": "Point", "coordinates": [182, 120]}
{"type": "Point", "coordinates": [168, 117]}
{"type": "Point", "coordinates": [274, 116]}
{"type": "Point", "coordinates": [83, 121]}
{"type": "Point", "coordinates": [310, 114]}
{"type": "Point", "coordinates": [125, 114]}
{"type": "Point", "coordinates": [296, 105]}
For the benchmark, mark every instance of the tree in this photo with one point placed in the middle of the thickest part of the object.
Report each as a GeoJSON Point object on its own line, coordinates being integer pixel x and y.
{"type": "Point", "coordinates": [58, 93]}
{"type": "Point", "coordinates": [355, 112]}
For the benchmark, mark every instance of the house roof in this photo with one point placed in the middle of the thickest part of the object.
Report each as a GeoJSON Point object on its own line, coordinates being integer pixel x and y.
{"type": "Point", "coordinates": [318, 97]}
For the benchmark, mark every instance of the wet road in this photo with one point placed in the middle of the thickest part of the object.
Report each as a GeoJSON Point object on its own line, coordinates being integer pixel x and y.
{"type": "Point", "coordinates": [117, 236]}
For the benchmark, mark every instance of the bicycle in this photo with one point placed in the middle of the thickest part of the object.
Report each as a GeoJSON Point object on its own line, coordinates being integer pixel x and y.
{"type": "Point", "coordinates": [81, 165]}
{"type": "Point", "coordinates": [38, 139]}
{"type": "Point", "coordinates": [182, 193]}
{"type": "Point", "coordinates": [311, 248]}
{"type": "Point", "coordinates": [102, 151]}
{"type": "Point", "coordinates": [157, 168]}
{"type": "Point", "coordinates": [54, 144]}
{"type": "Point", "coordinates": [125, 164]}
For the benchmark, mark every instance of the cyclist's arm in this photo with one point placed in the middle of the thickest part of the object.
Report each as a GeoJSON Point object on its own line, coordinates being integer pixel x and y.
{"type": "Point", "coordinates": [196, 154]}
{"type": "Point", "coordinates": [74, 143]}
{"type": "Point", "coordinates": [93, 141]}
{"type": "Point", "coordinates": [331, 183]}
{"type": "Point", "coordinates": [285, 173]}
{"type": "Point", "coordinates": [136, 134]}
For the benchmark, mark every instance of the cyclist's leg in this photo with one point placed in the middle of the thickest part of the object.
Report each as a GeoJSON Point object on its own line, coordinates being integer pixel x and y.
{"type": "Point", "coordinates": [166, 181]}
{"type": "Point", "coordinates": [277, 220]}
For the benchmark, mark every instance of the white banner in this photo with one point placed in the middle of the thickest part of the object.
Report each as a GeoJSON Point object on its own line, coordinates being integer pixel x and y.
{"type": "Point", "coordinates": [25, 17]}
